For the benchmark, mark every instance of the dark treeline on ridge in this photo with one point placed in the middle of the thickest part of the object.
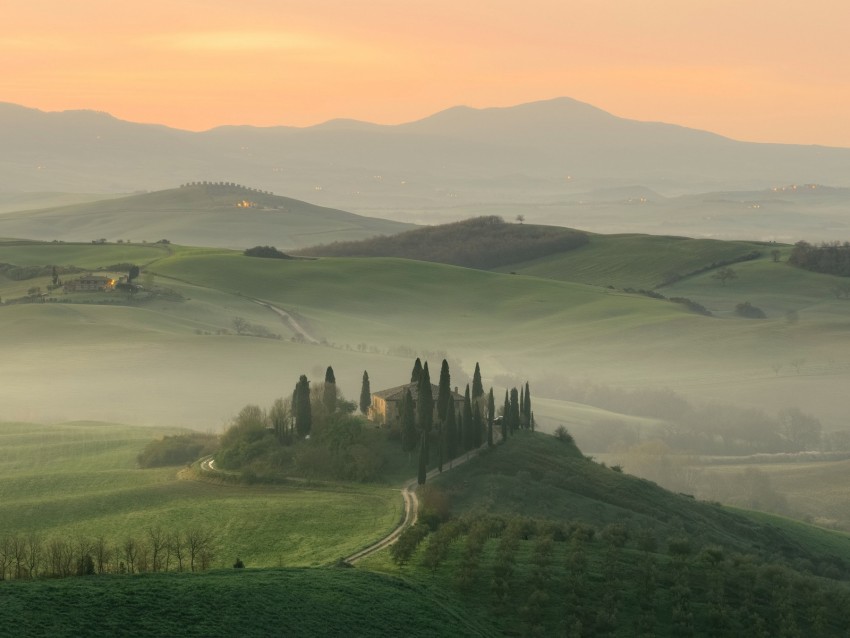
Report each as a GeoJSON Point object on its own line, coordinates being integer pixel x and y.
{"type": "Point", "coordinates": [831, 258]}
{"type": "Point", "coordinates": [483, 242]}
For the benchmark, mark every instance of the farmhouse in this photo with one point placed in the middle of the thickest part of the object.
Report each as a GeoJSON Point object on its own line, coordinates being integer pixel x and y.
{"type": "Point", "coordinates": [386, 403]}
{"type": "Point", "coordinates": [88, 283]}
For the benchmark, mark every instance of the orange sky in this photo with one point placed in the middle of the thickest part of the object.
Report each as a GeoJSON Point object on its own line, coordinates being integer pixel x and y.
{"type": "Point", "coordinates": [753, 69]}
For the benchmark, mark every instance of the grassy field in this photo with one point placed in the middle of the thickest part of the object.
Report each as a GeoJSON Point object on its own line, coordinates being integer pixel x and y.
{"type": "Point", "coordinates": [291, 602]}
{"type": "Point", "coordinates": [81, 479]}
{"type": "Point", "coordinates": [633, 261]}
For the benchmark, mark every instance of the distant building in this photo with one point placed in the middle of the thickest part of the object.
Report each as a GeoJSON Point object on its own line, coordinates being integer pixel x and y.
{"type": "Point", "coordinates": [386, 403]}
{"type": "Point", "coordinates": [90, 283]}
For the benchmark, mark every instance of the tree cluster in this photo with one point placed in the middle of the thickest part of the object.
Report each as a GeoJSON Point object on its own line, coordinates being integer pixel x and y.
{"type": "Point", "coordinates": [267, 252]}
{"type": "Point", "coordinates": [177, 449]}
{"type": "Point", "coordinates": [311, 433]}
{"type": "Point", "coordinates": [831, 258]}
{"type": "Point", "coordinates": [483, 242]}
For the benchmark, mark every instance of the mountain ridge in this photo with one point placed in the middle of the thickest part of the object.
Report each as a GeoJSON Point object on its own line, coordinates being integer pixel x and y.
{"type": "Point", "coordinates": [458, 156]}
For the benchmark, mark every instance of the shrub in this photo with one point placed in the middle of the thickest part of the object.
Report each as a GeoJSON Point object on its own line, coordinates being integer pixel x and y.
{"type": "Point", "coordinates": [266, 251]}
{"type": "Point", "coordinates": [749, 311]}
{"type": "Point", "coordinates": [177, 450]}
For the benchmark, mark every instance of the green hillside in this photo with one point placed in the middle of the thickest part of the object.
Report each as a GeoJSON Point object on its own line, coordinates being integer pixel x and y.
{"type": "Point", "coordinates": [551, 543]}
{"type": "Point", "coordinates": [635, 261]}
{"type": "Point", "coordinates": [198, 215]}
{"type": "Point", "coordinates": [81, 481]}
{"type": "Point", "coordinates": [482, 242]}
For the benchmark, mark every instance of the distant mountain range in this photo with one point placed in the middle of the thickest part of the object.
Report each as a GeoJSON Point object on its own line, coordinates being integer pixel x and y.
{"type": "Point", "coordinates": [542, 152]}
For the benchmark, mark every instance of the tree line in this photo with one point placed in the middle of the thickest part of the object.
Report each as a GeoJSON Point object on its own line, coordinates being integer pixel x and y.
{"type": "Point", "coordinates": [457, 429]}
{"type": "Point", "coordinates": [831, 258]}
{"type": "Point", "coordinates": [156, 549]}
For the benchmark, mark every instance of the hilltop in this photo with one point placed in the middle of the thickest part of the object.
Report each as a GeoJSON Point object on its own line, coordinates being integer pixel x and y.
{"type": "Point", "coordinates": [200, 214]}
{"type": "Point", "coordinates": [483, 242]}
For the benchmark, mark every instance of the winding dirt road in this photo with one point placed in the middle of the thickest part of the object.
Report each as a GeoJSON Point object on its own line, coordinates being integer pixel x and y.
{"type": "Point", "coordinates": [289, 320]}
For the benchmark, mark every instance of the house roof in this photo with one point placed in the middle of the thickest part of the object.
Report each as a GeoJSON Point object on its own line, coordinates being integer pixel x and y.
{"type": "Point", "coordinates": [397, 393]}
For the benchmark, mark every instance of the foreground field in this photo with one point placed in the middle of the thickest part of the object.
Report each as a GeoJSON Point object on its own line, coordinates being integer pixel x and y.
{"type": "Point", "coordinates": [292, 602]}
{"type": "Point", "coordinates": [80, 480]}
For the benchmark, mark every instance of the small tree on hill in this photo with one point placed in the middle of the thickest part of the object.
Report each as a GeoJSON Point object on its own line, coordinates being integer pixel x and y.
{"type": "Point", "coordinates": [725, 274]}
{"type": "Point", "coordinates": [365, 394]}
{"type": "Point", "coordinates": [133, 273]}
{"type": "Point", "coordinates": [526, 407]}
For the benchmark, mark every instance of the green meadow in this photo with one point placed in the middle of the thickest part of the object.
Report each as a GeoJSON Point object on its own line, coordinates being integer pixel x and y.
{"type": "Point", "coordinates": [81, 479]}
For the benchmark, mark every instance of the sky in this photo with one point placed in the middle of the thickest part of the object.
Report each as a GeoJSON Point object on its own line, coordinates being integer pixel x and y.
{"type": "Point", "coordinates": [753, 70]}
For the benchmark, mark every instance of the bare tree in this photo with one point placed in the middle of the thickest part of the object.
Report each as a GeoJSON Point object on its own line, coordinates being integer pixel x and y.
{"type": "Point", "coordinates": [157, 543]}
{"type": "Point", "coordinates": [130, 549]}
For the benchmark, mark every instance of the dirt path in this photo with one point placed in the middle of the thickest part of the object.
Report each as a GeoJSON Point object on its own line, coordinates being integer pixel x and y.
{"type": "Point", "coordinates": [289, 320]}
{"type": "Point", "coordinates": [411, 508]}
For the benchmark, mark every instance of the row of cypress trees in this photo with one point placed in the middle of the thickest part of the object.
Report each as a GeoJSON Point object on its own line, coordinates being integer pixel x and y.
{"type": "Point", "coordinates": [457, 430]}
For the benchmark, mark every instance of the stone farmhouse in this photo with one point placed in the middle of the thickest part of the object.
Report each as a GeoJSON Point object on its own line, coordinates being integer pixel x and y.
{"type": "Point", "coordinates": [387, 403]}
{"type": "Point", "coordinates": [90, 283]}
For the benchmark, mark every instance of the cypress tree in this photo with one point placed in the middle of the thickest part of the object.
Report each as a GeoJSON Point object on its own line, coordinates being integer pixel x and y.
{"type": "Point", "coordinates": [425, 407]}
{"type": "Point", "coordinates": [526, 406]}
{"type": "Point", "coordinates": [521, 409]}
{"type": "Point", "coordinates": [451, 432]}
{"type": "Point", "coordinates": [423, 461]}
{"type": "Point", "coordinates": [409, 434]}
{"type": "Point", "coordinates": [468, 424]}
{"type": "Point", "coordinates": [477, 387]}
{"type": "Point", "coordinates": [329, 391]}
{"type": "Point", "coordinates": [303, 411]}
{"type": "Point", "coordinates": [444, 393]}
{"type": "Point", "coordinates": [417, 371]}
{"type": "Point", "coordinates": [506, 418]}
{"type": "Point", "coordinates": [365, 394]}
{"type": "Point", "coordinates": [491, 415]}
{"type": "Point", "coordinates": [515, 423]}
{"type": "Point", "coordinates": [477, 425]}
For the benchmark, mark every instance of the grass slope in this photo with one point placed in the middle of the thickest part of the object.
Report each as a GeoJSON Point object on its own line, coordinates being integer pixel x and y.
{"type": "Point", "coordinates": [292, 602]}
{"type": "Point", "coordinates": [633, 261]}
{"type": "Point", "coordinates": [81, 479]}
{"type": "Point", "coordinates": [542, 477]}
{"type": "Point", "coordinates": [200, 216]}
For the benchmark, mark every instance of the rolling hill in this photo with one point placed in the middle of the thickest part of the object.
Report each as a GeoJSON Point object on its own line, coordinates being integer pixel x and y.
{"type": "Point", "coordinates": [200, 214]}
